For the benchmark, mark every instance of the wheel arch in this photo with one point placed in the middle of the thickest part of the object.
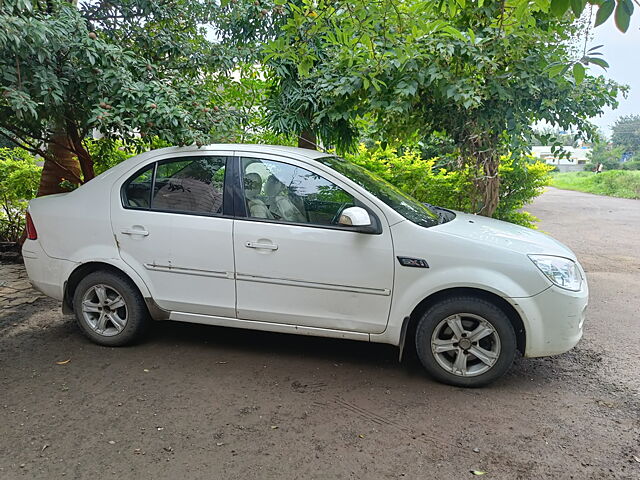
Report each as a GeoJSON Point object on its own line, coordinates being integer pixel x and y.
{"type": "Point", "coordinates": [86, 268]}
{"type": "Point", "coordinates": [410, 323]}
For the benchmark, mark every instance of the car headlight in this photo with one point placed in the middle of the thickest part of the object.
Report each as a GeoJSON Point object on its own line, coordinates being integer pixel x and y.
{"type": "Point", "coordinates": [562, 272]}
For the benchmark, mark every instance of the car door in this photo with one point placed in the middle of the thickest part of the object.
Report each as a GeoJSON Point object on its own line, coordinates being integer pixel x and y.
{"type": "Point", "coordinates": [294, 263]}
{"type": "Point", "coordinates": [171, 224]}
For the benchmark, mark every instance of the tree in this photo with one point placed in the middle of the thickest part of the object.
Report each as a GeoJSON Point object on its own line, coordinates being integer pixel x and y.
{"type": "Point", "coordinates": [626, 133]}
{"type": "Point", "coordinates": [608, 155]}
{"type": "Point", "coordinates": [293, 103]}
{"type": "Point", "coordinates": [482, 74]}
{"type": "Point", "coordinates": [127, 69]}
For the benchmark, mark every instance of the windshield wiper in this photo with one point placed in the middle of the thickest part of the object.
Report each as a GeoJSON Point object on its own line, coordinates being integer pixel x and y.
{"type": "Point", "coordinates": [444, 215]}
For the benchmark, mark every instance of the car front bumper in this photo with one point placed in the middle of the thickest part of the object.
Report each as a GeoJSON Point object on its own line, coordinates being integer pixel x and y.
{"type": "Point", "coordinates": [553, 319]}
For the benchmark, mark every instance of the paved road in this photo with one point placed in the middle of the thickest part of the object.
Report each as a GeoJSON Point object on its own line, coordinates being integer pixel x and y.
{"type": "Point", "coordinates": [604, 232]}
{"type": "Point", "coordinates": [202, 402]}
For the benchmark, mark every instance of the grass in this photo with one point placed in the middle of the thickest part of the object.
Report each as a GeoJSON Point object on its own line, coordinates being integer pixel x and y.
{"type": "Point", "coordinates": [613, 183]}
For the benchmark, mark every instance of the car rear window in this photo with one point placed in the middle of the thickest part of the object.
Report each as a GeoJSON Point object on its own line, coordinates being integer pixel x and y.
{"type": "Point", "coordinates": [182, 185]}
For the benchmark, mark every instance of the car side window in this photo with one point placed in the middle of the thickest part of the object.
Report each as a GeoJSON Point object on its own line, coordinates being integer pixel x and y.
{"type": "Point", "coordinates": [137, 190]}
{"type": "Point", "coordinates": [185, 185]}
{"type": "Point", "coordinates": [283, 192]}
{"type": "Point", "coordinates": [192, 185]}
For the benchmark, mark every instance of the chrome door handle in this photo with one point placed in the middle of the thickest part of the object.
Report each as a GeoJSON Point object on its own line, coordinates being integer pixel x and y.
{"type": "Point", "coordinates": [133, 231]}
{"type": "Point", "coordinates": [266, 246]}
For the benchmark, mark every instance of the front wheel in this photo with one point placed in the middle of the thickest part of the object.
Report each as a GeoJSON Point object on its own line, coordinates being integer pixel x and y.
{"type": "Point", "coordinates": [109, 309]}
{"type": "Point", "coordinates": [465, 341]}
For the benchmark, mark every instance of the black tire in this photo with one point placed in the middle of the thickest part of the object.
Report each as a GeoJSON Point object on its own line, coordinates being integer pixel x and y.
{"type": "Point", "coordinates": [472, 306]}
{"type": "Point", "coordinates": [137, 315]}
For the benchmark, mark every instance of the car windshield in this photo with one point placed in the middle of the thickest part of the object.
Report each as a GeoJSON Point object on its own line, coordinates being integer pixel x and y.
{"type": "Point", "coordinates": [408, 207]}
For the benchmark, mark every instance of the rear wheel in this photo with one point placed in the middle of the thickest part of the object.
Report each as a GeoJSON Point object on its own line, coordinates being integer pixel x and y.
{"type": "Point", "coordinates": [465, 341]}
{"type": "Point", "coordinates": [109, 309]}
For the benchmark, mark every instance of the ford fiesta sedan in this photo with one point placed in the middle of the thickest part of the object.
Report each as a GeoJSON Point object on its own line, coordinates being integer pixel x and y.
{"type": "Point", "coordinates": [299, 241]}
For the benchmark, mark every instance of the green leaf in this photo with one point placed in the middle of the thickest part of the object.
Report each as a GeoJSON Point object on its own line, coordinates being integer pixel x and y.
{"type": "Point", "coordinates": [555, 70]}
{"type": "Point", "coordinates": [604, 11]}
{"type": "Point", "coordinates": [598, 61]}
{"type": "Point", "coordinates": [623, 14]}
{"type": "Point", "coordinates": [578, 73]}
{"type": "Point", "coordinates": [577, 6]}
{"type": "Point", "coordinates": [558, 7]}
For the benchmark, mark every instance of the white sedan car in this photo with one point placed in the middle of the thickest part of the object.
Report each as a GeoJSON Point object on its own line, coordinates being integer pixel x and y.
{"type": "Point", "coordinates": [299, 241]}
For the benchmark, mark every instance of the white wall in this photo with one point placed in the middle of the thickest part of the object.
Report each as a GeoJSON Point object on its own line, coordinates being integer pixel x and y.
{"type": "Point", "coordinates": [578, 156]}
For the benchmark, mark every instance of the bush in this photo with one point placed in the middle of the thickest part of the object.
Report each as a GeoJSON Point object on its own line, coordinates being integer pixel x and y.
{"type": "Point", "coordinates": [633, 164]}
{"type": "Point", "coordinates": [19, 178]}
{"type": "Point", "coordinates": [521, 180]}
{"type": "Point", "coordinates": [608, 155]}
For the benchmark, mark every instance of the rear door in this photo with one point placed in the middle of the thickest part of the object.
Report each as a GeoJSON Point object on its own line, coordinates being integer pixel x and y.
{"type": "Point", "coordinates": [295, 264]}
{"type": "Point", "coordinates": [172, 224]}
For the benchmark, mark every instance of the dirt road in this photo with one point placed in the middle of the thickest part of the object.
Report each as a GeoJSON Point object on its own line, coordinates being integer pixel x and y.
{"type": "Point", "coordinates": [203, 402]}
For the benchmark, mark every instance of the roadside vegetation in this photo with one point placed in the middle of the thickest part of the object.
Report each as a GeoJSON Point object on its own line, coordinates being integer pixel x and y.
{"type": "Point", "coordinates": [19, 177]}
{"type": "Point", "coordinates": [622, 152]}
{"type": "Point", "coordinates": [614, 183]}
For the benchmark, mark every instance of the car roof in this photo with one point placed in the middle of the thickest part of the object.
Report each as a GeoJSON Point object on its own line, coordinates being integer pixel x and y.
{"type": "Point", "coordinates": [249, 147]}
{"type": "Point", "coordinates": [133, 162]}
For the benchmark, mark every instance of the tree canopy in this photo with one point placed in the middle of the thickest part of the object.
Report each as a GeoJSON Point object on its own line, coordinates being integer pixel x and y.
{"type": "Point", "coordinates": [125, 69]}
{"type": "Point", "coordinates": [480, 73]}
{"type": "Point", "coordinates": [626, 133]}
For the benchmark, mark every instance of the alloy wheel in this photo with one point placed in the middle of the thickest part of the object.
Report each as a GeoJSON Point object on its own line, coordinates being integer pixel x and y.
{"type": "Point", "coordinates": [465, 345]}
{"type": "Point", "coordinates": [104, 310]}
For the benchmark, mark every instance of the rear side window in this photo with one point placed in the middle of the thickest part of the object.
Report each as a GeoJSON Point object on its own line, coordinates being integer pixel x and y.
{"type": "Point", "coordinates": [137, 190]}
{"type": "Point", "coordinates": [184, 185]}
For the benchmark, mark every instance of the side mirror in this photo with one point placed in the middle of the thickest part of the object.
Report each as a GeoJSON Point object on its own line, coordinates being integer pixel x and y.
{"type": "Point", "coordinates": [355, 217]}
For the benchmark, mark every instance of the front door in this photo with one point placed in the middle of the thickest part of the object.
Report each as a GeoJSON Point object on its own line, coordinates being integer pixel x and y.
{"type": "Point", "coordinates": [170, 224]}
{"type": "Point", "coordinates": [295, 264]}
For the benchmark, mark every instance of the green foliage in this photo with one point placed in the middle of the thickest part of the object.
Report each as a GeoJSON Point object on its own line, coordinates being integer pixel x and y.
{"type": "Point", "coordinates": [521, 180]}
{"type": "Point", "coordinates": [247, 94]}
{"type": "Point", "coordinates": [479, 74]}
{"type": "Point", "coordinates": [262, 35]}
{"type": "Point", "coordinates": [107, 152]}
{"type": "Point", "coordinates": [552, 136]}
{"type": "Point", "coordinates": [608, 155]}
{"type": "Point", "coordinates": [633, 164]}
{"type": "Point", "coordinates": [19, 177]}
{"type": "Point", "coordinates": [614, 183]}
{"type": "Point", "coordinates": [626, 133]}
{"type": "Point", "coordinates": [416, 176]}
{"type": "Point", "coordinates": [130, 69]}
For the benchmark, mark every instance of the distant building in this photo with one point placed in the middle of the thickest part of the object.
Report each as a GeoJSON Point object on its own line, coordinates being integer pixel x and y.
{"type": "Point", "coordinates": [575, 161]}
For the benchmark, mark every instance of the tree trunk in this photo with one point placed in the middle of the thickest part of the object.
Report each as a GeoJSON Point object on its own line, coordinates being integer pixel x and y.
{"type": "Point", "coordinates": [307, 139]}
{"type": "Point", "coordinates": [84, 158]}
{"type": "Point", "coordinates": [481, 149]}
{"type": "Point", "coordinates": [60, 164]}
{"type": "Point", "coordinates": [490, 186]}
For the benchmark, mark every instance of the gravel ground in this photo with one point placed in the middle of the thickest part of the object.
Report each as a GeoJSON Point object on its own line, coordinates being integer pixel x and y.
{"type": "Point", "coordinates": [205, 402]}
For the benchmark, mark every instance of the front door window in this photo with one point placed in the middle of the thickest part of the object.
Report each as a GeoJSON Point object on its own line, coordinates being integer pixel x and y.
{"type": "Point", "coordinates": [283, 192]}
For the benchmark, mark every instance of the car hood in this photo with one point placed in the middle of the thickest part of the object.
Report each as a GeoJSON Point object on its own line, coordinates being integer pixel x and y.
{"type": "Point", "coordinates": [490, 231]}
